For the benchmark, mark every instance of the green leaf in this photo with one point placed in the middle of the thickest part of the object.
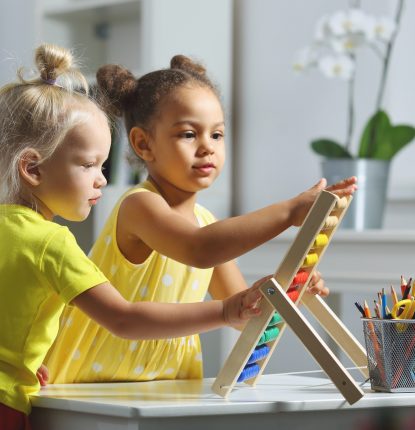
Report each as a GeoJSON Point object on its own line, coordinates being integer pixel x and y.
{"type": "Point", "coordinates": [387, 139]}
{"type": "Point", "coordinates": [373, 133]}
{"type": "Point", "coordinates": [397, 137]}
{"type": "Point", "coordinates": [329, 148]}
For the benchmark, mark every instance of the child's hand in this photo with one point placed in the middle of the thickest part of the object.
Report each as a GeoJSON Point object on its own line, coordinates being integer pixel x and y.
{"type": "Point", "coordinates": [316, 285]}
{"type": "Point", "coordinates": [242, 306]}
{"type": "Point", "coordinates": [43, 375]}
{"type": "Point", "coordinates": [304, 201]}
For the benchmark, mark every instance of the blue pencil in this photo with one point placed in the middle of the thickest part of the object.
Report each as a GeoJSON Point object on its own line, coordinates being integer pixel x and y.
{"type": "Point", "coordinates": [384, 311]}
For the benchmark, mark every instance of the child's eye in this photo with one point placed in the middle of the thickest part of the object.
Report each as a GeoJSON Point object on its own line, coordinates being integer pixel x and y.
{"type": "Point", "coordinates": [217, 136]}
{"type": "Point", "coordinates": [88, 165]}
{"type": "Point", "coordinates": [188, 134]}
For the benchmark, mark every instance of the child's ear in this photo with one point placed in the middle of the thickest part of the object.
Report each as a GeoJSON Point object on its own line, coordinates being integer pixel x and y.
{"type": "Point", "coordinates": [139, 140]}
{"type": "Point", "coordinates": [29, 166]}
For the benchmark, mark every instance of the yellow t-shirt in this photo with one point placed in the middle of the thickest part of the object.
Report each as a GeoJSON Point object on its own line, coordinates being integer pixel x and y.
{"type": "Point", "coordinates": [86, 352]}
{"type": "Point", "coordinates": [41, 268]}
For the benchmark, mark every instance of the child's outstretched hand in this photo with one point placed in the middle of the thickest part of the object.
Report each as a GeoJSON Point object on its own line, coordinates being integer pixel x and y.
{"type": "Point", "coordinates": [240, 307]}
{"type": "Point", "coordinates": [316, 285]}
{"type": "Point", "coordinates": [43, 375]}
{"type": "Point", "coordinates": [304, 201]}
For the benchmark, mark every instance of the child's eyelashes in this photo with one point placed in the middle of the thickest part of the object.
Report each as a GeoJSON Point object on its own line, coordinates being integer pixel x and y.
{"type": "Point", "coordinates": [218, 136]}
{"type": "Point", "coordinates": [193, 135]}
{"type": "Point", "coordinates": [188, 135]}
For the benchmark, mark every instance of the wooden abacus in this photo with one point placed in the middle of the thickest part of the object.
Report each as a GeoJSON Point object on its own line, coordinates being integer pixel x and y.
{"type": "Point", "coordinates": [283, 293]}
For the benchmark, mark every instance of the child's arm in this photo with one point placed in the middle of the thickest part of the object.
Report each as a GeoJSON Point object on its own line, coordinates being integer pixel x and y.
{"type": "Point", "coordinates": [150, 320]}
{"type": "Point", "coordinates": [148, 218]}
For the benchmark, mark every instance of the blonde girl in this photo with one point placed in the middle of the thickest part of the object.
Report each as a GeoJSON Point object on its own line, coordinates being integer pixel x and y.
{"type": "Point", "coordinates": [53, 143]}
{"type": "Point", "coordinates": [158, 244]}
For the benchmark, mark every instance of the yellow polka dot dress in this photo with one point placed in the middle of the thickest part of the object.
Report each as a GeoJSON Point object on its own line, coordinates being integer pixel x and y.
{"type": "Point", "coordinates": [86, 352]}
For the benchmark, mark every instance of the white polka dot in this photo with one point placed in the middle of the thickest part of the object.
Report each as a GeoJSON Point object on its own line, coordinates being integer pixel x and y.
{"type": "Point", "coordinates": [68, 322]}
{"type": "Point", "coordinates": [183, 341]}
{"type": "Point", "coordinates": [97, 367]}
{"type": "Point", "coordinates": [169, 371]}
{"type": "Point", "coordinates": [190, 268]}
{"type": "Point", "coordinates": [138, 370]}
{"type": "Point", "coordinates": [195, 284]}
{"type": "Point", "coordinates": [152, 375]}
{"type": "Point", "coordinates": [113, 269]}
{"type": "Point", "coordinates": [108, 240]}
{"type": "Point", "coordinates": [167, 280]}
{"type": "Point", "coordinates": [76, 355]}
{"type": "Point", "coordinates": [133, 345]}
{"type": "Point", "coordinates": [163, 257]}
{"type": "Point", "coordinates": [191, 341]}
{"type": "Point", "coordinates": [143, 291]}
{"type": "Point", "coordinates": [198, 357]}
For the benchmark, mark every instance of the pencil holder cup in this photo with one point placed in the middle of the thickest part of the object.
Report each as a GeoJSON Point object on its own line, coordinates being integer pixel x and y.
{"type": "Point", "coordinates": [390, 346]}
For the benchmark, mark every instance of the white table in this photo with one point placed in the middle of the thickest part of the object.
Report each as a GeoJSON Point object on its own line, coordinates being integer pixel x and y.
{"type": "Point", "coordinates": [301, 401]}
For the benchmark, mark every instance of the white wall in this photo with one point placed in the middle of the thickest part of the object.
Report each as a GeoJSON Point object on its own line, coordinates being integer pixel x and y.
{"type": "Point", "coordinates": [17, 30]}
{"type": "Point", "coordinates": [279, 112]}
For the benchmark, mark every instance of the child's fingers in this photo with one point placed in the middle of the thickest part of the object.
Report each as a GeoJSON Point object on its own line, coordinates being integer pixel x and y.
{"type": "Point", "coordinates": [344, 187]}
{"type": "Point", "coordinates": [317, 286]}
{"type": "Point", "coordinates": [259, 282]}
{"type": "Point", "coordinates": [43, 375]}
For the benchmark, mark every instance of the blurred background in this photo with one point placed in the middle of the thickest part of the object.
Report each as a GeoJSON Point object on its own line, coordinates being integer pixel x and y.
{"type": "Point", "coordinates": [273, 113]}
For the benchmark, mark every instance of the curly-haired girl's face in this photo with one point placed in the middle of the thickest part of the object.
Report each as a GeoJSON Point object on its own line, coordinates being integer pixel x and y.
{"type": "Point", "coordinates": [187, 140]}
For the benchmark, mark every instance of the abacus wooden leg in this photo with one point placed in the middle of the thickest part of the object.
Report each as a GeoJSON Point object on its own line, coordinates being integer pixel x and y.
{"type": "Point", "coordinates": [312, 341]}
{"type": "Point", "coordinates": [337, 330]}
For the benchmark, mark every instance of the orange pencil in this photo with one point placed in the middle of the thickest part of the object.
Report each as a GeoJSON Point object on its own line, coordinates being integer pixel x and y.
{"type": "Point", "coordinates": [367, 310]}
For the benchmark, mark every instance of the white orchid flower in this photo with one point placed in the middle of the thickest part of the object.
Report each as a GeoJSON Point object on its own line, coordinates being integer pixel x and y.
{"type": "Point", "coordinates": [339, 66]}
{"type": "Point", "coordinates": [384, 28]}
{"type": "Point", "coordinates": [306, 58]}
{"type": "Point", "coordinates": [348, 43]}
{"type": "Point", "coordinates": [352, 21]}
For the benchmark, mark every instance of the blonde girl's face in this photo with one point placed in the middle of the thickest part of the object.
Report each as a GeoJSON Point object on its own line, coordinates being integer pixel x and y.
{"type": "Point", "coordinates": [71, 179]}
{"type": "Point", "coordinates": [187, 140]}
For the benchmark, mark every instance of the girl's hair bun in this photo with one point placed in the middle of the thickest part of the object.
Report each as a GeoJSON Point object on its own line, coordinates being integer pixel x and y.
{"type": "Point", "coordinates": [52, 61]}
{"type": "Point", "coordinates": [182, 62]}
{"type": "Point", "coordinates": [118, 86]}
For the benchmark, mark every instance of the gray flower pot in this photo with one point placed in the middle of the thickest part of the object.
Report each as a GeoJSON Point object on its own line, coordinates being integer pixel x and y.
{"type": "Point", "coordinates": [368, 206]}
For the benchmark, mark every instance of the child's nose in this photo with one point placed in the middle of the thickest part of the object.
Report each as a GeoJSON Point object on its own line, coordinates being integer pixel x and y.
{"type": "Point", "coordinates": [101, 181]}
{"type": "Point", "coordinates": [206, 146]}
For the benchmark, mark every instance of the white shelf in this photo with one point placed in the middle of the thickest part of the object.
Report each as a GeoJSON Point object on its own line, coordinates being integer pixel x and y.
{"type": "Point", "coordinates": [99, 31]}
{"type": "Point", "coordinates": [85, 9]}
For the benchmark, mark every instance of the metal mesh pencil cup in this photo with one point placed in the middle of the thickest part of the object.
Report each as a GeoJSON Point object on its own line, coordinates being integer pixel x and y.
{"type": "Point", "coordinates": [390, 346]}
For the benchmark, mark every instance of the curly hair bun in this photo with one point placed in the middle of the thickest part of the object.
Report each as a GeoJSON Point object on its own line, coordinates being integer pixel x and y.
{"type": "Point", "coordinates": [118, 85]}
{"type": "Point", "coordinates": [52, 61]}
{"type": "Point", "coordinates": [185, 63]}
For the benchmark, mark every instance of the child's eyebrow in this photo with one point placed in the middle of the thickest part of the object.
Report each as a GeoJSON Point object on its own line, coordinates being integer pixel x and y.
{"type": "Point", "coordinates": [195, 123]}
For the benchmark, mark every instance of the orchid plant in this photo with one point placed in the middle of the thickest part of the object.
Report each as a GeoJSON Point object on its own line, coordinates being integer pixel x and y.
{"type": "Point", "coordinates": [337, 39]}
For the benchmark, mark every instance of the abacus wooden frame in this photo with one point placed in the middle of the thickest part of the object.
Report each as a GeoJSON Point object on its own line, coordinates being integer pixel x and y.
{"type": "Point", "coordinates": [276, 299]}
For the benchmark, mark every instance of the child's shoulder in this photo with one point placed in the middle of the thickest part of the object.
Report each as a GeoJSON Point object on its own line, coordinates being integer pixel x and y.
{"type": "Point", "coordinates": [29, 228]}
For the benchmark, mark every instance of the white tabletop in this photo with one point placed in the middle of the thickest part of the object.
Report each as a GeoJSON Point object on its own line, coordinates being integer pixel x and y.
{"type": "Point", "coordinates": [178, 398]}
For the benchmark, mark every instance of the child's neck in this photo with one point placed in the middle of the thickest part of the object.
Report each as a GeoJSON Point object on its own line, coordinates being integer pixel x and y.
{"type": "Point", "coordinates": [182, 201]}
